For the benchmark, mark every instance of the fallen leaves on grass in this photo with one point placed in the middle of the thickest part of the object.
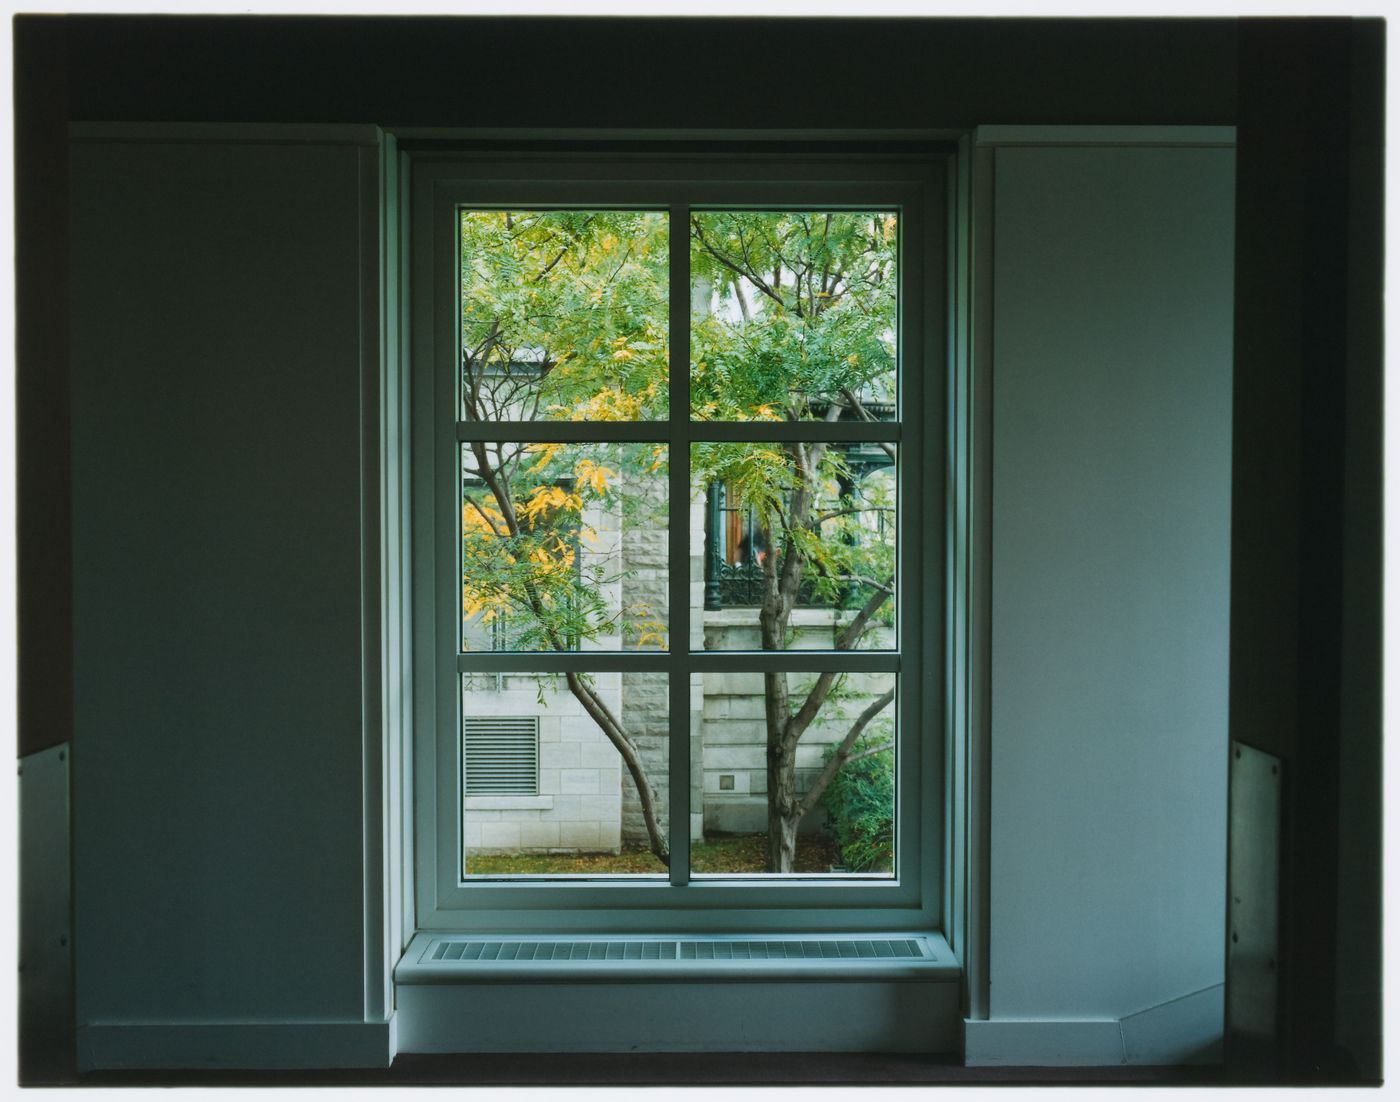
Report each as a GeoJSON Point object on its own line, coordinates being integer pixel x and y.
{"type": "Point", "coordinates": [720, 853]}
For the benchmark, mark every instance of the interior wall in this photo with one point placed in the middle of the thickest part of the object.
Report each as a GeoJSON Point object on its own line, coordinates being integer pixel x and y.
{"type": "Point", "coordinates": [218, 750]}
{"type": "Point", "coordinates": [1110, 371]}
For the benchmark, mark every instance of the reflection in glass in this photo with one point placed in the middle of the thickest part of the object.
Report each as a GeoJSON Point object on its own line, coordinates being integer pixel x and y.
{"type": "Point", "coordinates": [799, 546]}
{"type": "Point", "coordinates": [793, 315]}
{"type": "Point", "coordinates": [547, 788]}
{"type": "Point", "coordinates": [563, 315]}
{"type": "Point", "coordinates": [564, 546]}
{"type": "Point", "coordinates": [823, 803]}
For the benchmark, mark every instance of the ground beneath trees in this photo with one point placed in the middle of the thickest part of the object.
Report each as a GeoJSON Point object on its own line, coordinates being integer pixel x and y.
{"type": "Point", "coordinates": [719, 853]}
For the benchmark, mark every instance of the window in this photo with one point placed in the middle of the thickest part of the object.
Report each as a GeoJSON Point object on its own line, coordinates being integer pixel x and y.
{"type": "Point", "coordinates": [677, 514]}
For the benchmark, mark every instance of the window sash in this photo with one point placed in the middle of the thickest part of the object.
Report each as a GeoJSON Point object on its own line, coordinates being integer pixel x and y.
{"type": "Point", "coordinates": [442, 185]}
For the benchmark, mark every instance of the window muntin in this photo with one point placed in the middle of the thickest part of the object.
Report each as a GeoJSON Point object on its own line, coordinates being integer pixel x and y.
{"type": "Point", "coordinates": [906, 189]}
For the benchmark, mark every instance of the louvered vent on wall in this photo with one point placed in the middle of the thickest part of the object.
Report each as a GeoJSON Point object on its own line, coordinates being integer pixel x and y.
{"type": "Point", "coordinates": [654, 949]}
{"type": "Point", "coordinates": [501, 755]}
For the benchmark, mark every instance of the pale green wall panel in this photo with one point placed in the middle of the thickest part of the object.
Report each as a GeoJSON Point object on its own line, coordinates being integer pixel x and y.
{"type": "Point", "coordinates": [1111, 377]}
{"type": "Point", "coordinates": [217, 757]}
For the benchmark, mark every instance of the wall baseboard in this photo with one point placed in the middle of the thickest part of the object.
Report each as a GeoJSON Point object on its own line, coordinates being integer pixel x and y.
{"type": "Point", "coordinates": [245, 1045]}
{"type": "Point", "coordinates": [1039, 1043]}
{"type": "Point", "coordinates": [1185, 1030]}
{"type": "Point", "coordinates": [1188, 1030]}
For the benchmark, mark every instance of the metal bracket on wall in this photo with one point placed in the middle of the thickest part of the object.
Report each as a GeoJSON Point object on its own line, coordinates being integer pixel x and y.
{"type": "Point", "coordinates": [45, 921]}
{"type": "Point", "coordinates": [1252, 911]}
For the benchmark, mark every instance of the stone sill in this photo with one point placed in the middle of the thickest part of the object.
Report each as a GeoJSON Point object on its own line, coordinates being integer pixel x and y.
{"type": "Point", "coordinates": [509, 803]}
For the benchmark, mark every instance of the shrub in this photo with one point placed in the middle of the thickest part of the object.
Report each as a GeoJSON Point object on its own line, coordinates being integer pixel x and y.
{"type": "Point", "coordinates": [859, 806]}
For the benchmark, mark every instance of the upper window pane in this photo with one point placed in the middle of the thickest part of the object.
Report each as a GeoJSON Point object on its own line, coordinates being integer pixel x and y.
{"type": "Point", "coordinates": [793, 315]}
{"type": "Point", "coordinates": [563, 315]}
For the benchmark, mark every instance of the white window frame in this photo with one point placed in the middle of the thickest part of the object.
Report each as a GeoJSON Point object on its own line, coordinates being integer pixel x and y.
{"type": "Point", "coordinates": [440, 184]}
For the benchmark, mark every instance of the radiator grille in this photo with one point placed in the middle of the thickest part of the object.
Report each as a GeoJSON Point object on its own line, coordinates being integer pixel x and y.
{"type": "Point", "coordinates": [500, 755]}
{"type": "Point", "coordinates": [651, 949]}
{"type": "Point", "coordinates": [556, 950]}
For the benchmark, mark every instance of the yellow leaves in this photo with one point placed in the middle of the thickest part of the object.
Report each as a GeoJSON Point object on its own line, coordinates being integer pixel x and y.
{"type": "Point", "coordinates": [853, 359]}
{"type": "Point", "coordinates": [621, 352]}
{"type": "Point", "coordinates": [546, 453]}
{"type": "Point", "coordinates": [593, 475]}
{"type": "Point", "coordinates": [658, 459]}
{"type": "Point", "coordinates": [766, 412]}
{"type": "Point", "coordinates": [483, 605]}
{"type": "Point", "coordinates": [889, 228]}
{"type": "Point", "coordinates": [650, 632]}
{"type": "Point", "coordinates": [548, 499]}
{"type": "Point", "coordinates": [610, 404]}
{"type": "Point", "coordinates": [551, 561]}
{"type": "Point", "coordinates": [478, 520]}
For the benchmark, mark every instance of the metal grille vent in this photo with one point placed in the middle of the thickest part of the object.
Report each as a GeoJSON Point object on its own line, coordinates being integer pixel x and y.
{"type": "Point", "coordinates": [788, 949]}
{"type": "Point", "coordinates": [556, 950]}
{"type": "Point", "coordinates": [501, 755]}
{"type": "Point", "coordinates": [806, 949]}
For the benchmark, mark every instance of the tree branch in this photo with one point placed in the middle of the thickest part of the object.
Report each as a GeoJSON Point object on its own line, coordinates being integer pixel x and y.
{"type": "Point", "coordinates": [747, 272]}
{"type": "Point", "coordinates": [853, 509]}
{"type": "Point", "coordinates": [865, 415]}
{"type": "Point", "coordinates": [843, 752]}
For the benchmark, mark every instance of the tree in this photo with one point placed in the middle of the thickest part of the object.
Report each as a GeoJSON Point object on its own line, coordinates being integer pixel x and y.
{"type": "Point", "coordinates": [564, 318]}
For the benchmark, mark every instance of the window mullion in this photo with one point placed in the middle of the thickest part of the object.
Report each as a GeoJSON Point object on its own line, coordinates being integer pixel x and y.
{"type": "Point", "coordinates": [678, 343]}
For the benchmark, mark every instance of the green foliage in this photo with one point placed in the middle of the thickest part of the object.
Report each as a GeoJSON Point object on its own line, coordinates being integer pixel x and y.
{"type": "Point", "coordinates": [802, 309]}
{"type": "Point", "coordinates": [533, 566]}
{"type": "Point", "coordinates": [859, 806]}
{"type": "Point", "coordinates": [564, 315]}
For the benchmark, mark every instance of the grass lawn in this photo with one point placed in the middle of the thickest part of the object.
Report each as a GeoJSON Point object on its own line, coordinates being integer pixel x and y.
{"type": "Point", "coordinates": [720, 853]}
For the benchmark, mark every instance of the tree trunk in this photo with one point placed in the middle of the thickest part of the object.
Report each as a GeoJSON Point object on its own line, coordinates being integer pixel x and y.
{"type": "Point", "coordinates": [607, 722]}
{"type": "Point", "coordinates": [783, 816]}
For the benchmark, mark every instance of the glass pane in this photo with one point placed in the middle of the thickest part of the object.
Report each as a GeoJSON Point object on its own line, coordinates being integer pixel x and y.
{"type": "Point", "coordinates": [545, 790]}
{"type": "Point", "coordinates": [793, 315]}
{"type": "Point", "coordinates": [799, 545]}
{"type": "Point", "coordinates": [823, 805]}
{"type": "Point", "coordinates": [564, 315]}
{"type": "Point", "coordinates": [564, 546]}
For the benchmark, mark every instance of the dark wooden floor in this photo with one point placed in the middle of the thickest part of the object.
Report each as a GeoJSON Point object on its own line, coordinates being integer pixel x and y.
{"type": "Point", "coordinates": [673, 1069]}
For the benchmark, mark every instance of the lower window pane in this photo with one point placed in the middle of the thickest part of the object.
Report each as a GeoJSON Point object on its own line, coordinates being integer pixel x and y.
{"type": "Point", "coordinates": [831, 811]}
{"type": "Point", "coordinates": [546, 786]}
